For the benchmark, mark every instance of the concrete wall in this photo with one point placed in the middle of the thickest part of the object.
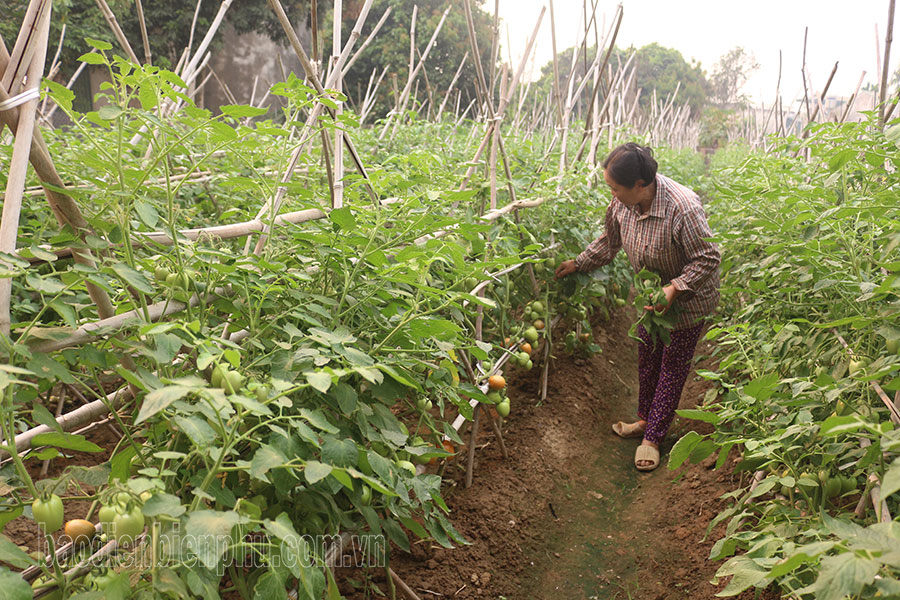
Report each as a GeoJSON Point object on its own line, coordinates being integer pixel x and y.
{"type": "Point", "coordinates": [245, 59]}
{"type": "Point", "coordinates": [239, 62]}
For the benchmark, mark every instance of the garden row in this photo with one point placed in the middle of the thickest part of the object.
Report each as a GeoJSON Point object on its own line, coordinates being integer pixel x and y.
{"type": "Point", "coordinates": [264, 397]}
{"type": "Point", "coordinates": [807, 353]}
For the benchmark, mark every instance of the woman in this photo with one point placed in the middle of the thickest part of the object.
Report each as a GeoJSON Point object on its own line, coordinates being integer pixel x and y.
{"type": "Point", "coordinates": [662, 226]}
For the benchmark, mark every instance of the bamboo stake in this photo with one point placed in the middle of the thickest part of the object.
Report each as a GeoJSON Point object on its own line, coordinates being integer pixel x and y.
{"type": "Point", "coordinates": [853, 99]}
{"type": "Point", "coordinates": [337, 190]}
{"type": "Point", "coordinates": [73, 419]}
{"type": "Point", "coordinates": [404, 96]}
{"type": "Point", "coordinates": [64, 208]}
{"type": "Point", "coordinates": [824, 92]}
{"type": "Point", "coordinates": [473, 436]}
{"type": "Point", "coordinates": [503, 101]}
{"type": "Point", "coordinates": [803, 73]}
{"type": "Point", "coordinates": [16, 65]}
{"type": "Point", "coordinates": [54, 64]}
{"type": "Point", "coordinates": [144, 38]}
{"type": "Point", "coordinates": [369, 39]}
{"type": "Point", "coordinates": [885, 68]}
{"type": "Point", "coordinates": [407, 591]}
{"type": "Point", "coordinates": [190, 44]}
{"type": "Point", "coordinates": [450, 88]}
{"type": "Point", "coordinates": [117, 31]}
{"type": "Point", "coordinates": [314, 79]}
{"type": "Point", "coordinates": [557, 96]}
{"type": "Point", "coordinates": [15, 185]}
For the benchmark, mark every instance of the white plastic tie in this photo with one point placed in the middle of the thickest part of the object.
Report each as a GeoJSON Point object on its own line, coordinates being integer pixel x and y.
{"type": "Point", "coordinates": [26, 96]}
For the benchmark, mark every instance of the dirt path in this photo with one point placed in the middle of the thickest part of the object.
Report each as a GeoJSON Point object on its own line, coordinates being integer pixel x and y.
{"type": "Point", "coordinates": [568, 515]}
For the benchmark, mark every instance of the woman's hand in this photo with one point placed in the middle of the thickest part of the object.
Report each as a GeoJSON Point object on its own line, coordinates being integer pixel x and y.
{"type": "Point", "coordinates": [565, 268]}
{"type": "Point", "coordinates": [671, 294]}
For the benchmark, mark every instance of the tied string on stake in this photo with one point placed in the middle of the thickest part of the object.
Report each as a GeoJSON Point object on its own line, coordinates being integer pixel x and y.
{"type": "Point", "coordinates": [19, 99]}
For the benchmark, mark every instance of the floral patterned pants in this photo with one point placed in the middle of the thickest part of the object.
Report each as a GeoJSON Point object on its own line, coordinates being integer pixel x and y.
{"type": "Point", "coordinates": [662, 371]}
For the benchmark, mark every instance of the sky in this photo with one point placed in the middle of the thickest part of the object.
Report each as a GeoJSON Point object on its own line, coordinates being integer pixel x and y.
{"type": "Point", "coordinates": [706, 29]}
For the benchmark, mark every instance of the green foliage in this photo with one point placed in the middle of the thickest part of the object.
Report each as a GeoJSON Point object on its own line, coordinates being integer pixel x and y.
{"type": "Point", "coordinates": [168, 25]}
{"type": "Point", "coordinates": [730, 74]}
{"type": "Point", "coordinates": [391, 47]}
{"type": "Point", "coordinates": [657, 68]}
{"type": "Point", "coordinates": [283, 397]}
{"type": "Point", "coordinates": [810, 252]}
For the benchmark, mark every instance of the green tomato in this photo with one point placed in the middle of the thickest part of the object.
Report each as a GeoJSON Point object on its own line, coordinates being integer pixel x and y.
{"type": "Point", "coordinates": [106, 514]}
{"type": "Point", "coordinates": [262, 393]}
{"type": "Point", "coordinates": [232, 381]}
{"type": "Point", "coordinates": [503, 408]}
{"type": "Point", "coordinates": [408, 466]}
{"type": "Point", "coordinates": [832, 487]}
{"type": "Point", "coordinates": [48, 513]}
{"type": "Point", "coordinates": [362, 461]}
{"type": "Point", "coordinates": [40, 583]}
{"type": "Point", "coordinates": [538, 308]}
{"type": "Point", "coordinates": [127, 526]}
{"type": "Point", "coordinates": [531, 334]}
{"type": "Point", "coordinates": [422, 403]}
{"type": "Point", "coordinates": [848, 484]}
{"type": "Point", "coordinates": [495, 397]}
{"type": "Point", "coordinates": [102, 581]}
{"type": "Point", "coordinates": [528, 365]}
{"type": "Point", "coordinates": [218, 373]}
{"type": "Point", "coordinates": [161, 273]}
{"type": "Point", "coordinates": [892, 345]}
{"type": "Point", "coordinates": [365, 497]}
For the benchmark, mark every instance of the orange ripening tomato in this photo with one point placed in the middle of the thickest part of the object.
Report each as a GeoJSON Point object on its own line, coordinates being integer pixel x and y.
{"type": "Point", "coordinates": [506, 342]}
{"type": "Point", "coordinates": [496, 382]}
{"type": "Point", "coordinates": [526, 348]}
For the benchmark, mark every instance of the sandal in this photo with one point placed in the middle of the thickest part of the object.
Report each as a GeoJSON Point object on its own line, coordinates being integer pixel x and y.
{"type": "Point", "coordinates": [628, 430]}
{"type": "Point", "coordinates": [647, 454]}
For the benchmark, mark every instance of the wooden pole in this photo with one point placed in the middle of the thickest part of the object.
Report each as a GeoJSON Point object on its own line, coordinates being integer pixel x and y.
{"type": "Point", "coordinates": [117, 31]}
{"type": "Point", "coordinates": [337, 196]}
{"type": "Point", "coordinates": [885, 67]}
{"type": "Point", "coordinates": [473, 437]}
{"type": "Point", "coordinates": [15, 185]}
{"type": "Point", "coordinates": [366, 43]}
{"type": "Point", "coordinates": [144, 38]}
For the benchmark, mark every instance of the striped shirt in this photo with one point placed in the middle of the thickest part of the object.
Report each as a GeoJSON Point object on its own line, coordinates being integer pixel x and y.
{"type": "Point", "coordinates": [669, 240]}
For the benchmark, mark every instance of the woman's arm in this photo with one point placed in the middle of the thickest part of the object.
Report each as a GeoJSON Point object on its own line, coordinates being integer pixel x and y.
{"type": "Point", "coordinates": [703, 256]}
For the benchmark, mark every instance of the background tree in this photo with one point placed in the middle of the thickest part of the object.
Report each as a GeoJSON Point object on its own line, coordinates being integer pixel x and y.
{"type": "Point", "coordinates": [657, 68]}
{"type": "Point", "coordinates": [730, 74]}
{"type": "Point", "coordinates": [168, 25]}
{"type": "Point", "coordinates": [391, 47]}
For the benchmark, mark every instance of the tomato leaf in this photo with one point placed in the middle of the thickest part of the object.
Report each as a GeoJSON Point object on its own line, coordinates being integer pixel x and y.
{"type": "Point", "coordinates": [163, 504]}
{"type": "Point", "coordinates": [208, 534]}
{"type": "Point", "coordinates": [66, 441]}
{"type": "Point", "coordinates": [12, 554]}
{"type": "Point", "coordinates": [265, 459]}
{"type": "Point", "coordinates": [158, 400]}
{"type": "Point", "coordinates": [316, 471]}
{"type": "Point", "coordinates": [682, 449]}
